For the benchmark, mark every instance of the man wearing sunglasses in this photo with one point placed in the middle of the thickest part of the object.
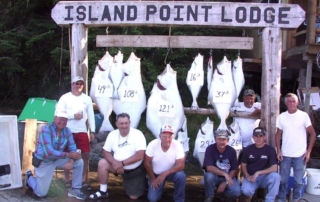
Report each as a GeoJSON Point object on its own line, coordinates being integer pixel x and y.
{"type": "Point", "coordinates": [220, 165]}
{"type": "Point", "coordinates": [80, 109]}
{"type": "Point", "coordinates": [123, 154]}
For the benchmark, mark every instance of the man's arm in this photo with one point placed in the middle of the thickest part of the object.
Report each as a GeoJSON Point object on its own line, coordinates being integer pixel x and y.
{"type": "Point", "coordinates": [278, 139]}
{"type": "Point", "coordinates": [312, 140]}
{"type": "Point", "coordinates": [138, 156]}
{"type": "Point", "coordinates": [178, 166]}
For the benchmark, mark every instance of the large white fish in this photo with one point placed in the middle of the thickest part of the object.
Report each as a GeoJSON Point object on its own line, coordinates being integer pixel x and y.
{"type": "Point", "coordinates": [195, 79]}
{"type": "Point", "coordinates": [116, 73]}
{"type": "Point", "coordinates": [183, 137]}
{"type": "Point", "coordinates": [222, 93]}
{"type": "Point", "coordinates": [102, 89]}
{"type": "Point", "coordinates": [209, 73]}
{"type": "Point", "coordinates": [164, 104]}
{"type": "Point", "coordinates": [238, 76]}
{"type": "Point", "coordinates": [205, 137]}
{"type": "Point", "coordinates": [235, 139]}
{"type": "Point", "coordinates": [131, 92]}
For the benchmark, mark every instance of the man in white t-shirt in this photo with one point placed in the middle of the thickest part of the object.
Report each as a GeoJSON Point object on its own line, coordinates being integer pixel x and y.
{"type": "Point", "coordinates": [293, 126]}
{"type": "Point", "coordinates": [123, 154]}
{"type": "Point", "coordinates": [164, 160]}
{"type": "Point", "coordinates": [247, 125]}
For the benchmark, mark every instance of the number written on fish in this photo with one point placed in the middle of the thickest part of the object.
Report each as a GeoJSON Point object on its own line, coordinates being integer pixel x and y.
{"type": "Point", "coordinates": [129, 95]}
{"type": "Point", "coordinates": [195, 78]}
{"type": "Point", "coordinates": [103, 89]}
{"type": "Point", "coordinates": [203, 144]}
{"type": "Point", "coordinates": [166, 109]}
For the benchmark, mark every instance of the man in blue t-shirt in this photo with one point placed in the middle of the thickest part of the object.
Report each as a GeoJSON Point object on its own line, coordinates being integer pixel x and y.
{"type": "Point", "coordinates": [220, 163]}
{"type": "Point", "coordinates": [259, 165]}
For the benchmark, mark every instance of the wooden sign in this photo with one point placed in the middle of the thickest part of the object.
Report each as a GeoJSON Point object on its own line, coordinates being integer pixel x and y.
{"type": "Point", "coordinates": [175, 13]}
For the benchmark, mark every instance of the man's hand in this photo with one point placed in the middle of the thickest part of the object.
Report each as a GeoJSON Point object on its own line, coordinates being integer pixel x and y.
{"type": "Point", "coordinates": [306, 157]}
{"type": "Point", "coordinates": [279, 156]}
{"type": "Point", "coordinates": [120, 170]}
{"type": "Point", "coordinates": [222, 187]}
{"type": "Point", "coordinates": [252, 178]}
{"type": "Point", "coordinates": [69, 165]}
{"type": "Point", "coordinates": [78, 116]}
{"type": "Point", "coordinates": [116, 165]}
{"type": "Point", "coordinates": [154, 184]}
{"type": "Point", "coordinates": [256, 111]}
{"type": "Point", "coordinates": [92, 137]}
{"type": "Point", "coordinates": [74, 155]}
{"type": "Point", "coordinates": [229, 180]}
{"type": "Point", "coordinates": [160, 178]}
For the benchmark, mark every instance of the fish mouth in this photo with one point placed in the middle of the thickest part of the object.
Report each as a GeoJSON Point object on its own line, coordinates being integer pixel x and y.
{"type": "Point", "coordinates": [160, 86]}
{"type": "Point", "coordinates": [125, 74]}
{"type": "Point", "coordinates": [100, 68]}
{"type": "Point", "coordinates": [201, 131]}
{"type": "Point", "coordinates": [219, 72]}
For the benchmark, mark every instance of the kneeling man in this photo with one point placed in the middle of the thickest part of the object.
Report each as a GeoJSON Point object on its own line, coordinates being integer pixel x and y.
{"type": "Point", "coordinates": [164, 160]}
{"type": "Point", "coordinates": [259, 165]}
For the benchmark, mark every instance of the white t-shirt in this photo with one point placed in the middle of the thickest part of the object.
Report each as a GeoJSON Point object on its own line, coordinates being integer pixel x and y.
{"type": "Point", "coordinates": [247, 125]}
{"type": "Point", "coordinates": [294, 133]}
{"type": "Point", "coordinates": [73, 104]}
{"type": "Point", "coordinates": [125, 147]}
{"type": "Point", "coordinates": [163, 161]}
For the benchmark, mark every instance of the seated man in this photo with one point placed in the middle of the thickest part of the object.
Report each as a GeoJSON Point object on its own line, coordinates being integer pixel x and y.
{"type": "Point", "coordinates": [220, 165]}
{"type": "Point", "coordinates": [164, 160]}
{"type": "Point", "coordinates": [259, 166]}
{"type": "Point", "coordinates": [53, 139]}
{"type": "Point", "coordinates": [123, 154]}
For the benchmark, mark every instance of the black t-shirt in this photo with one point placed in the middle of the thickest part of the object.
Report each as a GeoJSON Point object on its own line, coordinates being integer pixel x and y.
{"type": "Point", "coordinates": [259, 158]}
{"type": "Point", "coordinates": [226, 161]}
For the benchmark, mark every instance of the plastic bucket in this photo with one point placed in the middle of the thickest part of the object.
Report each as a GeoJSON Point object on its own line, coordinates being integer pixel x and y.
{"type": "Point", "coordinates": [313, 186]}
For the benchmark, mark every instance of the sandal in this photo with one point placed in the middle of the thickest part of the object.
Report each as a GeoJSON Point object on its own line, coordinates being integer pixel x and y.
{"type": "Point", "coordinates": [86, 186]}
{"type": "Point", "coordinates": [99, 194]}
{"type": "Point", "coordinates": [67, 184]}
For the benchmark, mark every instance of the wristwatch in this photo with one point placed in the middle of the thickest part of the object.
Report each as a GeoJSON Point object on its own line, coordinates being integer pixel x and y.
{"type": "Point", "coordinates": [227, 182]}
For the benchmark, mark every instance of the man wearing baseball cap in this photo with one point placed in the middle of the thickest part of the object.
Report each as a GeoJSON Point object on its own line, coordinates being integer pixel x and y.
{"type": "Point", "coordinates": [79, 109]}
{"type": "Point", "coordinates": [164, 160]}
{"type": "Point", "coordinates": [50, 153]}
{"type": "Point", "coordinates": [220, 165]}
{"type": "Point", "coordinates": [260, 165]}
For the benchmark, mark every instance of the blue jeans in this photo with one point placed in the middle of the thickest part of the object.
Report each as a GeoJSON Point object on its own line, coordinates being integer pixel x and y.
{"type": "Point", "coordinates": [298, 171]}
{"type": "Point", "coordinates": [211, 180]}
{"type": "Point", "coordinates": [44, 172]}
{"type": "Point", "coordinates": [179, 180]}
{"type": "Point", "coordinates": [270, 181]}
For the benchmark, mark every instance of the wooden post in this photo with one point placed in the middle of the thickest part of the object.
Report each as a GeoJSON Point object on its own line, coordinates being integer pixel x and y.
{"type": "Point", "coordinates": [271, 74]}
{"type": "Point", "coordinates": [79, 53]}
{"type": "Point", "coordinates": [308, 87]}
{"type": "Point", "coordinates": [29, 141]}
{"type": "Point", "coordinates": [302, 78]}
{"type": "Point", "coordinates": [311, 21]}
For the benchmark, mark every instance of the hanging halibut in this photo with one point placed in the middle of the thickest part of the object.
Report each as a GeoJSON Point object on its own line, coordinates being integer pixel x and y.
{"type": "Point", "coordinates": [164, 104]}
{"type": "Point", "coordinates": [195, 79]}
{"type": "Point", "coordinates": [222, 93]}
{"type": "Point", "coordinates": [102, 89]}
{"type": "Point", "coordinates": [235, 139]}
{"type": "Point", "coordinates": [183, 137]}
{"type": "Point", "coordinates": [116, 73]}
{"type": "Point", "coordinates": [238, 77]}
{"type": "Point", "coordinates": [131, 92]}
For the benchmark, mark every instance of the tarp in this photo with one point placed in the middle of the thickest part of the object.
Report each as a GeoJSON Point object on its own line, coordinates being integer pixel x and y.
{"type": "Point", "coordinates": [38, 108]}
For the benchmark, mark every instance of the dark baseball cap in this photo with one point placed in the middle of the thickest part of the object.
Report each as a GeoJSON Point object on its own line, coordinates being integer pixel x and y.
{"type": "Point", "coordinates": [222, 134]}
{"type": "Point", "coordinates": [249, 92]}
{"type": "Point", "coordinates": [259, 131]}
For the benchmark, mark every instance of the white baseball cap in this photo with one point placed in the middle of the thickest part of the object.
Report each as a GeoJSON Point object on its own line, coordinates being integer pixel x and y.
{"type": "Point", "coordinates": [77, 78]}
{"type": "Point", "coordinates": [61, 113]}
{"type": "Point", "coordinates": [167, 129]}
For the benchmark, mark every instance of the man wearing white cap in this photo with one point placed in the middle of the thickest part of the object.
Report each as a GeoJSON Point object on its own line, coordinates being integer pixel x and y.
{"type": "Point", "coordinates": [50, 153]}
{"type": "Point", "coordinates": [164, 160]}
{"type": "Point", "coordinates": [79, 109]}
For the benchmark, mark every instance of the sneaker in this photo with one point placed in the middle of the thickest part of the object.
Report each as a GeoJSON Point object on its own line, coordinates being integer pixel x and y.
{"type": "Point", "coordinates": [28, 174]}
{"type": "Point", "coordinates": [99, 194]}
{"type": "Point", "coordinates": [209, 199]}
{"type": "Point", "coordinates": [77, 194]}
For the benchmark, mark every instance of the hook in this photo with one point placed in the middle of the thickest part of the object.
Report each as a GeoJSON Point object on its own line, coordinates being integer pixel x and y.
{"type": "Point", "coordinates": [210, 52]}
{"type": "Point", "coordinates": [239, 53]}
{"type": "Point", "coordinates": [165, 59]}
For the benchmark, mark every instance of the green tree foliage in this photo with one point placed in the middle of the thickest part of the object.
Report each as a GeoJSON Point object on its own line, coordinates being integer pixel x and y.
{"type": "Point", "coordinates": [34, 53]}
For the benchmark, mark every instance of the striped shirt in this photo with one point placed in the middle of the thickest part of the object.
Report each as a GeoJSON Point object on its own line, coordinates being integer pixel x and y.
{"type": "Point", "coordinates": [50, 145]}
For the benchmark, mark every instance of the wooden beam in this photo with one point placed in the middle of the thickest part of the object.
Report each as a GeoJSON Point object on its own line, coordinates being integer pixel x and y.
{"type": "Point", "coordinates": [311, 19]}
{"type": "Point", "coordinates": [271, 76]}
{"type": "Point", "coordinates": [237, 43]}
{"type": "Point", "coordinates": [29, 140]}
{"type": "Point", "coordinates": [308, 86]}
{"type": "Point", "coordinates": [295, 51]}
{"type": "Point", "coordinates": [299, 33]}
{"type": "Point", "coordinates": [204, 111]}
{"type": "Point", "coordinates": [252, 60]}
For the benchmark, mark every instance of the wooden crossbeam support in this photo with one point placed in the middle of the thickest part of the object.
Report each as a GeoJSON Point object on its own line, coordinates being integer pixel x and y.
{"type": "Point", "coordinates": [236, 43]}
{"type": "Point", "coordinates": [204, 111]}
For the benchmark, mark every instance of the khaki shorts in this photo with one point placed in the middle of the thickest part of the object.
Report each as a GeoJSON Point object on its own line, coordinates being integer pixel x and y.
{"type": "Point", "coordinates": [135, 182]}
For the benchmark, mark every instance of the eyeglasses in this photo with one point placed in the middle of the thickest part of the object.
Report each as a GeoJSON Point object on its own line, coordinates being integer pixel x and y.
{"type": "Point", "coordinates": [79, 83]}
{"type": "Point", "coordinates": [123, 144]}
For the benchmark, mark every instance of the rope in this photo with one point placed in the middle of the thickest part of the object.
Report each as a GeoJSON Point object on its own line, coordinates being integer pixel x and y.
{"type": "Point", "coordinates": [168, 49]}
{"type": "Point", "coordinates": [61, 55]}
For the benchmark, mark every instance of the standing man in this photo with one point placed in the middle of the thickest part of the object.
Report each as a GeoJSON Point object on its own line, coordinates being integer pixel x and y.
{"type": "Point", "coordinates": [164, 160]}
{"type": "Point", "coordinates": [80, 109]}
{"type": "Point", "coordinates": [260, 168]}
{"type": "Point", "coordinates": [123, 154]}
{"type": "Point", "coordinates": [247, 125]}
{"type": "Point", "coordinates": [50, 153]}
{"type": "Point", "coordinates": [293, 125]}
{"type": "Point", "coordinates": [220, 165]}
